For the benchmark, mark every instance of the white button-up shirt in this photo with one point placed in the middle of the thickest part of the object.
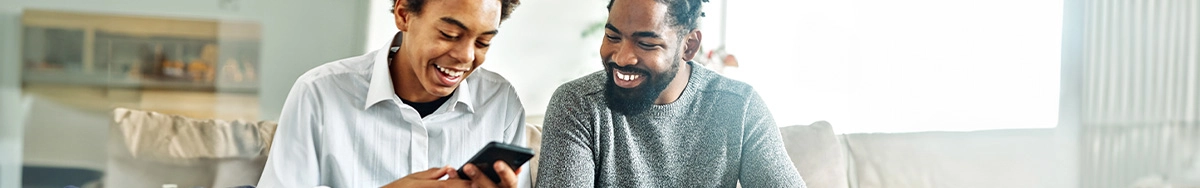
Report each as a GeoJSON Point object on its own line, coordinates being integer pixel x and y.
{"type": "Point", "coordinates": [343, 126]}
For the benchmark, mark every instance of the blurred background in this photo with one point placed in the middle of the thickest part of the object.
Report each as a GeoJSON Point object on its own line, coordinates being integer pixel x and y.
{"type": "Point", "coordinates": [918, 93]}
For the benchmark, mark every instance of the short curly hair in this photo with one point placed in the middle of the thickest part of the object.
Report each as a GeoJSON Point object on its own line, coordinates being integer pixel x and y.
{"type": "Point", "coordinates": [683, 14]}
{"type": "Point", "coordinates": [506, 7]}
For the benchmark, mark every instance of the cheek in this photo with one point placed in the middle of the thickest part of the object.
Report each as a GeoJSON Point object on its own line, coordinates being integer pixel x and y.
{"type": "Point", "coordinates": [480, 56]}
{"type": "Point", "coordinates": [606, 50]}
{"type": "Point", "coordinates": [435, 50]}
{"type": "Point", "coordinates": [656, 62]}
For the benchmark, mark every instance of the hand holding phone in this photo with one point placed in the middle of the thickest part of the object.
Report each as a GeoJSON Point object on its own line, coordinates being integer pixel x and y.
{"type": "Point", "coordinates": [484, 160]}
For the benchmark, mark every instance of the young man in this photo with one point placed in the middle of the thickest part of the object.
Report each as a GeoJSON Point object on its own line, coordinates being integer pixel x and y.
{"type": "Point", "coordinates": [652, 118]}
{"type": "Point", "coordinates": [403, 115]}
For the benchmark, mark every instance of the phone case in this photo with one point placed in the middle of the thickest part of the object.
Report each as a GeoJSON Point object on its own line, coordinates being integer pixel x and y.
{"type": "Point", "coordinates": [513, 155]}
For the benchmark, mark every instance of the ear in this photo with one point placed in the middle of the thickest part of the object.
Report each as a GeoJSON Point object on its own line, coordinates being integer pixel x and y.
{"type": "Point", "coordinates": [691, 44]}
{"type": "Point", "coordinates": [401, 14]}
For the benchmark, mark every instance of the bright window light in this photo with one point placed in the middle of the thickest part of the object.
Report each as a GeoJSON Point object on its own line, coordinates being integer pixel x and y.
{"type": "Point", "coordinates": [902, 66]}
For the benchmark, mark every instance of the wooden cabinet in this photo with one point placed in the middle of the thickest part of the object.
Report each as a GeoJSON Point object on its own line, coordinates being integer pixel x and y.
{"type": "Point", "coordinates": [139, 51]}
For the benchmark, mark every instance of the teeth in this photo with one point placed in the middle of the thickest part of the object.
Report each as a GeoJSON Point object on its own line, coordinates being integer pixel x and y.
{"type": "Point", "coordinates": [452, 73]}
{"type": "Point", "coordinates": [626, 77]}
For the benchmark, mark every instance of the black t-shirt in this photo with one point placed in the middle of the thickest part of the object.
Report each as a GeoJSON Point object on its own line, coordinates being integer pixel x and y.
{"type": "Point", "coordinates": [426, 108]}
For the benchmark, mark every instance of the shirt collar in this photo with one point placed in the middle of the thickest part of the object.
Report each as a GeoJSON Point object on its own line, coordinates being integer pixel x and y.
{"type": "Point", "coordinates": [381, 89]}
{"type": "Point", "coordinates": [462, 95]}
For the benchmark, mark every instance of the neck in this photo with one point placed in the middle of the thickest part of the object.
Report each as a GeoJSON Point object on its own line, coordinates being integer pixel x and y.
{"type": "Point", "coordinates": [404, 79]}
{"type": "Point", "coordinates": [675, 88]}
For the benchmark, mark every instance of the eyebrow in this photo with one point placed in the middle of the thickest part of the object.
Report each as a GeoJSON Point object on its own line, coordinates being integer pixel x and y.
{"type": "Point", "coordinates": [455, 22]}
{"type": "Point", "coordinates": [645, 34]}
{"type": "Point", "coordinates": [611, 27]}
{"type": "Point", "coordinates": [635, 34]}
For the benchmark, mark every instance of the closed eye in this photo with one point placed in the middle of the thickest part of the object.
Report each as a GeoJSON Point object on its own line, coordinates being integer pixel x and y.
{"type": "Point", "coordinates": [448, 36]}
{"type": "Point", "coordinates": [647, 46]}
{"type": "Point", "coordinates": [612, 38]}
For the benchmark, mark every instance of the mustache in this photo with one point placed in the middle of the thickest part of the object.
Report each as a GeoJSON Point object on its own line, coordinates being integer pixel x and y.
{"type": "Point", "coordinates": [633, 69]}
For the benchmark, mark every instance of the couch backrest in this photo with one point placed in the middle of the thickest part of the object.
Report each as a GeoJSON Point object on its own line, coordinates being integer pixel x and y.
{"type": "Point", "coordinates": [977, 159]}
{"type": "Point", "coordinates": [534, 132]}
{"type": "Point", "coordinates": [817, 154]}
{"type": "Point", "coordinates": [148, 149]}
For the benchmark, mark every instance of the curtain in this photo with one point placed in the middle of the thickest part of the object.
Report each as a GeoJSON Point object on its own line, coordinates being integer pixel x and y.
{"type": "Point", "coordinates": [1140, 100]}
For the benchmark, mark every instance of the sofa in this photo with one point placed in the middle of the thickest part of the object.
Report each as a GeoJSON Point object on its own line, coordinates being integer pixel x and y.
{"type": "Point", "coordinates": [150, 149]}
{"type": "Point", "coordinates": [978, 159]}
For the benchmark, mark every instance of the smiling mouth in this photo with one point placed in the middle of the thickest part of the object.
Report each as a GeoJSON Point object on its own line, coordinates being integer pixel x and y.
{"type": "Point", "coordinates": [448, 76]}
{"type": "Point", "coordinates": [449, 72]}
{"type": "Point", "coordinates": [627, 79]}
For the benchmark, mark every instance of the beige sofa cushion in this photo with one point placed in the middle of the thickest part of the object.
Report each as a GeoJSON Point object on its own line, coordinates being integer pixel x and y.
{"type": "Point", "coordinates": [817, 154]}
{"type": "Point", "coordinates": [978, 159]}
{"type": "Point", "coordinates": [149, 149]}
{"type": "Point", "coordinates": [535, 142]}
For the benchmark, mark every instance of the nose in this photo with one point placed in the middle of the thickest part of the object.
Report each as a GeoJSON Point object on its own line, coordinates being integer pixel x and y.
{"type": "Point", "coordinates": [624, 55]}
{"type": "Point", "coordinates": [464, 52]}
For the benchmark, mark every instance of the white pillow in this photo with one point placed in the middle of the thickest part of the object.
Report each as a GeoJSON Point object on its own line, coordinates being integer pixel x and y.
{"type": "Point", "coordinates": [817, 154]}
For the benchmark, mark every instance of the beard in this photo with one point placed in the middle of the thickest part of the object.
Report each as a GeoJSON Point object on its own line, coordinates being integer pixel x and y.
{"type": "Point", "coordinates": [632, 101]}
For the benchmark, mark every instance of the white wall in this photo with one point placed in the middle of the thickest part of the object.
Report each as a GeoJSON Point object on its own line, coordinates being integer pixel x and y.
{"type": "Point", "coordinates": [381, 25]}
{"type": "Point", "coordinates": [712, 25]}
{"type": "Point", "coordinates": [902, 66]}
{"type": "Point", "coordinates": [10, 131]}
{"type": "Point", "coordinates": [297, 35]}
{"type": "Point", "coordinates": [1068, 132]}
{"type": "Point", "coordinates": [540, 47]}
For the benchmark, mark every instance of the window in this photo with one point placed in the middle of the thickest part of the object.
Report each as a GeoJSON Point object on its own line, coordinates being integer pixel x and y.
{"type": "Point", "coordinates": [902, 66]}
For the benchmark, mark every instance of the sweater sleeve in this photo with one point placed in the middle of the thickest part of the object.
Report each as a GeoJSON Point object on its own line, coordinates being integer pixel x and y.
{"type": "Point", "coordinates": [765, 162]}
{"type": "Point", "coordinates": [567, 157]}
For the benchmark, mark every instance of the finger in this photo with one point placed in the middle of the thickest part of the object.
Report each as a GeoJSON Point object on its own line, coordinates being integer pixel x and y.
{"type": "Point", "coordinates": [455, 183]}
{"type": "Point", "coordinates": [508, 178]}
{"type": "Point", "coordinates": [477, 177]}
{"type": "Point", "coordinates": [431, 174]}
{"type": "Point", "coordinates": [432, 184]}
{"type": "Point", "coordinates": [452, 173]}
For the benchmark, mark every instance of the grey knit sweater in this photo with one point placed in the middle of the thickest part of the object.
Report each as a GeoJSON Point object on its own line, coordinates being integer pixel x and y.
{"type": "Point", "coordinates": [717, 133]}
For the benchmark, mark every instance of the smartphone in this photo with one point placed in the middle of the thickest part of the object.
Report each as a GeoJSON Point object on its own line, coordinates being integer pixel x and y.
{"type": "Point", "coordinates": [513, 155]}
